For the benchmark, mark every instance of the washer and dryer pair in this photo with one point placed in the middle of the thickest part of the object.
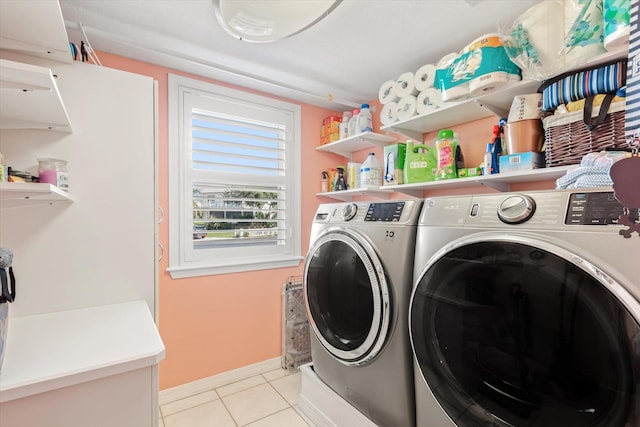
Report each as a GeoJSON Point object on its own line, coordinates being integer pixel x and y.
{"type": "Point", "coordinates": [488, 310]}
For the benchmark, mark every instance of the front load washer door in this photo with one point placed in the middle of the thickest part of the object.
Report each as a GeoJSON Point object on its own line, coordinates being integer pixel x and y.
{"type": "Point", "coordinates": [347, 296]}
{"type": "Point", "coordinates": [507, 332]}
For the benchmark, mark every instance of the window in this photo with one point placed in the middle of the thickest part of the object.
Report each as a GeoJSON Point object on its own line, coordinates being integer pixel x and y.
{"type": "Point", "coordinates": [234, 188]}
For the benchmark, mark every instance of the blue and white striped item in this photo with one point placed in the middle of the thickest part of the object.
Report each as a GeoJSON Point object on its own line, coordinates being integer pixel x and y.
{"type": "Point", "coordinates": [573, 87]}
{"type": "Point", "coordinates": [633, 78]}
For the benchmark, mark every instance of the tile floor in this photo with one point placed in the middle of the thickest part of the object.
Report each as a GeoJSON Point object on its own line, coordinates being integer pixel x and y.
{"type": "Point", "coordinates": [267, 400]}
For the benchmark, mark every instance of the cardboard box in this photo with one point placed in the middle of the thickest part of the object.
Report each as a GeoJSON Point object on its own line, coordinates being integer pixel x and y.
{"type": "Point", "coordinates": [394, 158]}
{"type": "Point", "coordinates": [466, 172]}
{"type": "Point", "coordinates": [521, 162]}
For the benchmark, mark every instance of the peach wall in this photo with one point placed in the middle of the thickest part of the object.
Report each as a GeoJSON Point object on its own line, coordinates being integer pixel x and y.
{"type": "Point", "coordinates": [213, 324]}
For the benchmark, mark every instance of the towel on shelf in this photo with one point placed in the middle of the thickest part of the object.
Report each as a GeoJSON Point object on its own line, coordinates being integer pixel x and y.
{"type": "Point", "coordinates": [592, 172]}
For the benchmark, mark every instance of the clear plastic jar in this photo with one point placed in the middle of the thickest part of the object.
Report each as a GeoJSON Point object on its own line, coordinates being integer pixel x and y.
{"type": "Point", "coordinates": [54, 171]}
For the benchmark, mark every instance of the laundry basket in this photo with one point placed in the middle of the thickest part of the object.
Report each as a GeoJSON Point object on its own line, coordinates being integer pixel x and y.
{"type": "Point", "coordinates": [568, 138]}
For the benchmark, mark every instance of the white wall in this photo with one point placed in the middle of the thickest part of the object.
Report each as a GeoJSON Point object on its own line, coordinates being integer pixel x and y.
{"type": "Point", "coordinates": [99, 249]}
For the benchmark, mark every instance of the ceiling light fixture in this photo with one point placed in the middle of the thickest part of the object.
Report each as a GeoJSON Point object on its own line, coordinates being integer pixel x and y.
{"type": "Point", "coordinates": [262, 21]}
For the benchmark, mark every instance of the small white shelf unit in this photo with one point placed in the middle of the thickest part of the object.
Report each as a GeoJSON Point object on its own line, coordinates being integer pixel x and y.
{"type": "Point", "coordinates": [347, 195]}
{"type": "Point", "coordinates": [19, 194]}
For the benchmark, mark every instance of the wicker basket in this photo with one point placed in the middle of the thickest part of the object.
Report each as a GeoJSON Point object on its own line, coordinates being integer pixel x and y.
{"type": "Point", "coordinates": [568, 139]}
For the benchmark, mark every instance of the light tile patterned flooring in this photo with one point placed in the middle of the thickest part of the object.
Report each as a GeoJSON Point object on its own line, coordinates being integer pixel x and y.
{"type": "Point", "coordinates": [267, 400]}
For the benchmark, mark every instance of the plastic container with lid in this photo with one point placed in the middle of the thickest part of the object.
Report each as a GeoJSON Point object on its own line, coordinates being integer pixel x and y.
{"type": "Point", "coordinates": [365, 122]}
{"type": "Point", "coordinates": [54, 171]}
{"type": "Point", "coordinates": [370, 172]}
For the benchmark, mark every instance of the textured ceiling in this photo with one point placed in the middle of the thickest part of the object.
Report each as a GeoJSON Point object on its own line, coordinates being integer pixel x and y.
{"type": "Point", "coordinates": [342, 61]}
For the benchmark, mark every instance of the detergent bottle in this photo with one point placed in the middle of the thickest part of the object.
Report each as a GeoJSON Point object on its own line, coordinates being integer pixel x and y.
{"type": "Point", "coordinates": [419, 164]}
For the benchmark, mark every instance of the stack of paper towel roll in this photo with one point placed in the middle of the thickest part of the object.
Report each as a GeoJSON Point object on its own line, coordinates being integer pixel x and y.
{"type": "Point", "coordinates": [408, 95]}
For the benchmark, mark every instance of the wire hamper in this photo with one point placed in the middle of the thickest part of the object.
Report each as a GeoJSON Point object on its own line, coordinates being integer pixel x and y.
{"type": "Point", "coordinates": [296, 346]}
{"type": "Point", "coordinates": [567, 138]}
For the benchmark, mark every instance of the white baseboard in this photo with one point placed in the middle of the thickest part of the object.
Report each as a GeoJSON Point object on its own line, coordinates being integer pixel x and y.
{"type": "Point", "coordinates": [323, 406]}
{"type": "Point", "coordinates": [199, 386]}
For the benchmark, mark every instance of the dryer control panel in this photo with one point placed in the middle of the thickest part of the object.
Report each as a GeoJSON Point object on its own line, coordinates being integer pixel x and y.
{"type": "Point", "coordinates": [598, 208]}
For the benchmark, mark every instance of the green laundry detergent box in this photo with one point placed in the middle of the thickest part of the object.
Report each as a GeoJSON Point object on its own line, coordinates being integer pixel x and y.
{"type": "Point", "coordinates": [420, 163]}
{"type": "Point", "coordinates": [394, 159]}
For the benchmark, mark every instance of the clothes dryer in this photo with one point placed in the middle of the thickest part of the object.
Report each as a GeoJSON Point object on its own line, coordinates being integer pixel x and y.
{"type": "Point", "coordinates": [525, 312]}
{"type": "Point", "coordinates": [357, 283]}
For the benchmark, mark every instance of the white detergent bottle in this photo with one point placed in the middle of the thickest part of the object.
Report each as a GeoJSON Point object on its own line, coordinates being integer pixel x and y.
{"type": "Point", "coordinates": [353, 123]}
{"type": "Point", "coordinates": [371, 172]}
{"type": "Point", "coordinates": [344, 124]}
{"type": "Point", "coordinates": [365, 122]}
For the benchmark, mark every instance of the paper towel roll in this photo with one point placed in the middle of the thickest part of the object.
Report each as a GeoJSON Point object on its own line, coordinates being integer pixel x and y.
{"type": "Point", "coordinates": [583, 31]}
{"type": "Point", "coordinates": [389, 113]}
{"type": "Point", "coordinates": [428, 100]}
{"type": "Point", "coordinates": [488, 82]}
{"type": "Point", "coordinates": [388, 92]}
{"type": "Point", "coordinates": [446, 60]}
{"type": "Point", "coordinates": [406, 107]}
{"type": "Point", "coordinates": [406, 85]}
{"type": "Point", "coordinates": [424, 77]}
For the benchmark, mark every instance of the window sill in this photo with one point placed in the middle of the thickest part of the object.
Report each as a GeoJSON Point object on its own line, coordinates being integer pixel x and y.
{"type": "Point", "coordinates": [182, 272]}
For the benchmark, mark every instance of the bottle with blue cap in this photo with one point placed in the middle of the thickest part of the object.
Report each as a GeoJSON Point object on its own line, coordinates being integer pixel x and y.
{"type": "Point", "coordinates": [365, 122]}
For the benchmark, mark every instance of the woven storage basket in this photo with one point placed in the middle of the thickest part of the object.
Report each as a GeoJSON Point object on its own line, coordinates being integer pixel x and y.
{"type": "Point", "coordinates": [568, 139]}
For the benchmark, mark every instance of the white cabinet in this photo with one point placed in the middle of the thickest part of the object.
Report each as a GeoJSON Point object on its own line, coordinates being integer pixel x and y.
{"type": "Point", "coordinates": [34, 28]}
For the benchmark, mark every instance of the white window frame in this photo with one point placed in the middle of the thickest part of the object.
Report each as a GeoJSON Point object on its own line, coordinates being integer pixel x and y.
{"type": "Point", "coordinates": [182, 262]}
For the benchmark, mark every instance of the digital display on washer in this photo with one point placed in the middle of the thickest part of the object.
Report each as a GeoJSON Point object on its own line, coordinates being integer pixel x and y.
{"type": "Point", "coordinates": [593, 209]}
{"type": "Point", "coordinates": [384, 211]}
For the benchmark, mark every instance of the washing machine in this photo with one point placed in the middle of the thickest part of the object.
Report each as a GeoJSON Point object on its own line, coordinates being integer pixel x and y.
{"type": "Point", "coordinates": [357, 283]}
{"type": "Point", "coordinates": [525, 312]}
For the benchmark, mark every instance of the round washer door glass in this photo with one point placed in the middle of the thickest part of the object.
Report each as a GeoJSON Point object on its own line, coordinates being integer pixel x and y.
{"type": "Point", "coordinates": [507, 334]}
{"type": "Point", "coordinates": [347, 297]}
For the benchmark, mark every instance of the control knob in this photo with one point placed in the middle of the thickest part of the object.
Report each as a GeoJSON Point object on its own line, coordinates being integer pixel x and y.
{"type": "Point", "coordinates": [516, 209]}
{"type": "Point", "coordinates": [349, 211]}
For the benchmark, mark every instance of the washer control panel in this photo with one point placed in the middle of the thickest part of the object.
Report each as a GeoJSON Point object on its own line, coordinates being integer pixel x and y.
{"type": "Point", "coordinates": [388, 211]}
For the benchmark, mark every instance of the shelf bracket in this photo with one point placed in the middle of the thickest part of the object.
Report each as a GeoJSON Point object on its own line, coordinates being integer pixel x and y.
{"type": "Point", "coordinates": [500, 112]}
{"type": "Point", "coordinates": [415, 135]}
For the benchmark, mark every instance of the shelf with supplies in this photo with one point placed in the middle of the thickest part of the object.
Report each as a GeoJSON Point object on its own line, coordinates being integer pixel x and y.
{"type": "Point", "coordinates": [347, 195]}
{"type": "Point", "coordinates": [17, 194]}
{"type": "Point", "coordinates": [497, 102]}
{"type": "Point", "coordinates": [30, 98]}
{"type": "Point", "coordinates": [346, 146]}
{"type": "Point", "coordinates": [499, 181]}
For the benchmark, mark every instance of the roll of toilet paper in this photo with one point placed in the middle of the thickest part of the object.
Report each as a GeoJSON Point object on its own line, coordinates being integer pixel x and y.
{"type": "Point", "coordinates": [424, 77]}
{"type": "Point", "coordinates": [406, 85]}
{"type": "Point", "coordinates": [389, 113]}
{"type": "Point", "coordinates": [428, 100]}
{"type": "Point", "coordinates": [407, 107]}
{"type": "Point", "coordinates": [388, 92]}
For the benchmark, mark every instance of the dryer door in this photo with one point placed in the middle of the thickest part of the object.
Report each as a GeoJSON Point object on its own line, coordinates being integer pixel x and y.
{"type": "Point", "coordinates": [507, 333]}
{"type": "Point", "coordinates": [347, 296]}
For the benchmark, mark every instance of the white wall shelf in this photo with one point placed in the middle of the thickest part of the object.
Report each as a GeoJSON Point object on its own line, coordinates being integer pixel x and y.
{"type": "Point", "coordinates": [452, 113]}
{"type": "Point", "coordinates": [345, 147]}
{"type": "Point", "coordinates": [19, 194]}
{"type": "Point", "coordinates": [29, 98]}
{"type": "Point", "coordinates": [347, 195]}
{"type": "Point", "coordinates": [500, 182]}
